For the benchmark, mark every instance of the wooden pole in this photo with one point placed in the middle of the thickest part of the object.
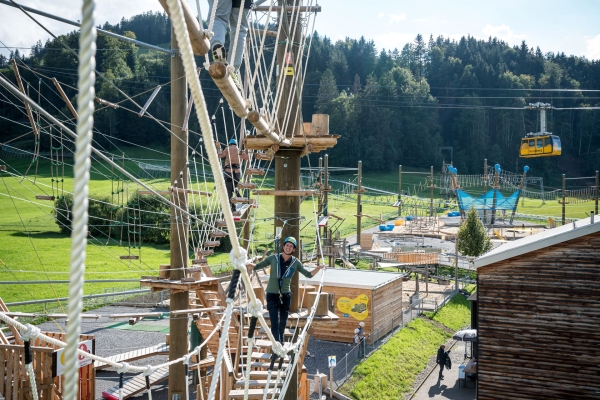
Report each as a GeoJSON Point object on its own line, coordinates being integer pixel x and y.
{"type": "Point", "coordinates": [326, 184]}
{"type": "Point", "coordinates": [431, 186]}
{"type": "Point", "coordinates": [358, 205]}
{"type": "Point", "coordinates": [179, 226]}
{"type": "Point", "coordinates": [399, 190]}
{"type": "Point", "coordinates": [287, 161]}
{"type": "Point", "coordinates": [320, 183]}
{"type": "Point", "coordinates": [484, 190]}
{"type": "Point", "coordinates": [563, 199]}
{"type": "Point", "coordinates": [456, 261]}
{"type": "Point", "coordinates": [494, 198]}
{"type": "Point", "coordinates": [596, 207]}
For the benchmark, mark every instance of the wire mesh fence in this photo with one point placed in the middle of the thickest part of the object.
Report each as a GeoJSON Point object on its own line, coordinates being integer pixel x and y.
{"type": "Point", "coordinates": [346, 365]}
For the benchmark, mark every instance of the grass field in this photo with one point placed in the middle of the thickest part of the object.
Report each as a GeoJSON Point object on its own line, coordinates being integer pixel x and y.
{"type": "Point", "coordinates": [391, 370]}
{"type": "Point", "coordinates": [32, 247]}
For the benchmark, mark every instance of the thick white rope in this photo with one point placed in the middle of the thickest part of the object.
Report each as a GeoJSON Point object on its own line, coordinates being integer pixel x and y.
{"type": "Point", "coordinates": [222, 342]}
{"type": "Point", "coordinates": [211, 22]}
{"type": "Point", "coordinates": [32, 383]}
{"type": "Point", "coordinates": [12, 322]}
{"type": "Point", "coordinates": [83, 150]}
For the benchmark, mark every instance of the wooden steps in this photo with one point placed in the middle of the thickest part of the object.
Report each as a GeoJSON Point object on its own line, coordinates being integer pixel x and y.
{"type": "Point", "coordinates": [257, 394]}
{"type": "Point", "coordinates": [262, 375]}
{"type": "Point", "coordinates": [211, 243]}
{"type": "Point", "coordinates": [137, 384]}
{"type": "Point", "coordinates": [217, 234]}
{"type": "Point", "coordinates": [265, 365]}
{"type": "Point", "coordinates": [255, 171]}
{"type": "Point", "coordinates": [246, 185]}
{"type": "Point", "coordinates": [134, 355]}
{"type": "Point", "coordinates": [254, 383]}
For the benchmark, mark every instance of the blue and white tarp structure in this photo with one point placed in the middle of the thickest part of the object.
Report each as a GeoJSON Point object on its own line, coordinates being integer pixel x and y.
{"type": "Point", "coordinates": [486, 201]}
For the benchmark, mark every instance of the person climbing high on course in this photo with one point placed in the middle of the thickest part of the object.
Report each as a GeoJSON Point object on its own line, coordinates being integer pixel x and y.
{"type": "Point", "coordinates": [233, 159]}
{"type": "Point", "coordinates": [283, 266]}
{"type": "Point", "coordinates": [226, 15]}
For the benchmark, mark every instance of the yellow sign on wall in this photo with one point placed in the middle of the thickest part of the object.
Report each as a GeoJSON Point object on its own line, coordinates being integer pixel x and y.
{"type": "Point", "coordinates": [289, 71]}
{"type": "Point", "coordinates": [356, 308]}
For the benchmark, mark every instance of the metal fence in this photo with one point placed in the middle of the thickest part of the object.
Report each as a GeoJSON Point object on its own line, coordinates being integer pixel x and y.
{"type": "Point", "coordinates": [383, 334]}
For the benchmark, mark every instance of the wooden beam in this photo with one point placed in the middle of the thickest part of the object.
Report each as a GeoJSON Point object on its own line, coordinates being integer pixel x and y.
{"type": "Point", "coordinates": [198, 37]}
{"type": "Point", "coordinates": [219, 73]}
{"type": "Point", "coordinates": [27, 108]}
{"type": "Point", "coordinates": [64, 97]}
{"type": "Point", "coordinates": [278, 9]}
{"type": "Point", "coordinates": [107, 103]}
{"type": "Point", "coordinates": [320, 142]}
{"type": "Point", "coordinates": [285, 192]}
{"type": "Point", "coordinates": [263, 128]}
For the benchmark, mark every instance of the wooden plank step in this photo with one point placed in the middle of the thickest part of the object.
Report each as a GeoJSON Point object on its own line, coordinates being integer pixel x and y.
{"type": "Point", "coordinates": [246, 185]}
{"type": "Point", "coordinates": [199, 261]}
{"type": "Point", "coordinates": [265, 365]}
{"type": "Point", "coordinates": [254, 383]}
{"type": "Point", "coordinates": [262, 156]}
{"type": "Point", "coordinates": [206, 252]}
{"type": "Point", "coordinates": [265, 357]}
{"type": "Point", "coordinates": [221, 223]}
{"type": "Point", "coordinates": [137, 384]}
{"type": "Point", "coordinates": [211, 243]}
{"type": "Point", "coordinates": [134, 355]}
{"type": "Point", "coordinates": [255, 171]}
{"type": "Point", "coordinates": [240, 200]}
{"type": "Point", "coordinates": [252, 393]}
{"type": "Point", "coordinates": [263, 375]}
{"type": "Point", "coordinates": [217, 234]}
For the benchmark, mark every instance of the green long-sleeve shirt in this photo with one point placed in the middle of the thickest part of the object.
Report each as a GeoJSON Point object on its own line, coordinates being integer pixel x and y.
{"type": "Point", "coordinates": [273, 285]}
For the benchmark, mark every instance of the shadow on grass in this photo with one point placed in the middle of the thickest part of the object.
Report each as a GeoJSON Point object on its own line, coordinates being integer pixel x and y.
{"type": "Point", "coordinates": [39, 234]}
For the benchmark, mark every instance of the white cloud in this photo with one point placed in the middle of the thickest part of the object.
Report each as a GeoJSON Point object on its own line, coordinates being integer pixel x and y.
{"type": "Point", "coordinates": [502, 32]}
{"type": "Point", "coordinates": [420, 20]}
{"type": "Point", "coordinates": [592, 49]}
{"type": "Point", "coordinates": [393, 40]}
{"type": "Point", "coordinates": [380, 15]}
{"type": "Point", "coordinates": [396, 18]}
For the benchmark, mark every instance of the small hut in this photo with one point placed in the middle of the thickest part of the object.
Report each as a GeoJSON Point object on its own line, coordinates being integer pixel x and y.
{"type": "Point", "coordinates": [539, 316]}
{"type": "Point", "coordinates": [372, 297]}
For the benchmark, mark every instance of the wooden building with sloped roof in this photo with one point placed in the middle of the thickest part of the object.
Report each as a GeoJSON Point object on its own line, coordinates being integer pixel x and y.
{"type": "Point", "coordinates": [538, 304]}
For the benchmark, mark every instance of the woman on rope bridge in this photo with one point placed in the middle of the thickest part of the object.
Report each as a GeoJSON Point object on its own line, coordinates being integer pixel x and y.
{"type": "Point", "coordinates": [233, 159]}
{"type": "Point", "coordinates": [279, 297]}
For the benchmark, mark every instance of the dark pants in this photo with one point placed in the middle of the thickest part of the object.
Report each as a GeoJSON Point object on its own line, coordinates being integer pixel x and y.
{"type": "Point", "coordinates": [279, 309]}
{"type": "Point", "coordinates": [232, 179]}
{"type": "Point", "coordinates": [442, 366]}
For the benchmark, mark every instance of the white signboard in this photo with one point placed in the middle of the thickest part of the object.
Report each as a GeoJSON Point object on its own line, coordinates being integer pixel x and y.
{"type": "Point", "coordinates": [332, 362]}
{"type": "Point", "coordinates": [82, 361]}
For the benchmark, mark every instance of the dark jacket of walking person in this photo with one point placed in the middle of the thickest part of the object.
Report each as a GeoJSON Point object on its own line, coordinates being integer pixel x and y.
{"type": "Point", "coordinates": [279, 296]}
{"type": "Point", "coordinates": [441, 360]}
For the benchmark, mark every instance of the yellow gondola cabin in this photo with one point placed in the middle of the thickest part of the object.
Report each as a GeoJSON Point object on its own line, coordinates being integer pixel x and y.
{"type": "Point", "coordinates": [540, 146]}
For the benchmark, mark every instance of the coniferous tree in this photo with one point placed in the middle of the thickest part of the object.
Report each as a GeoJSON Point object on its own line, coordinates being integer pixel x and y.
{"type": "Point", "coordinates": [472, 239]}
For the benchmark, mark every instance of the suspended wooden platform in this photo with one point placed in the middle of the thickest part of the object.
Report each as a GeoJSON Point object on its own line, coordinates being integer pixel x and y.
{"type": "Point", "coordinates": [156, 284]}
{"type": "Point", "coordinates": [159, 349]}
{"type": "Point", "coordinates": [312, 144]}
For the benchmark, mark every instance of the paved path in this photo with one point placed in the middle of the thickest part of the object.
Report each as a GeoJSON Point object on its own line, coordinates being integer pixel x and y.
{"type": "Point", "coordinates": [448, 387]}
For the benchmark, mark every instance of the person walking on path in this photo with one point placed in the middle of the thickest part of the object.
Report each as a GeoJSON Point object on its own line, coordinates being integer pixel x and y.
{"type": "Point", "coordinates": [441, 360]}
{"type": "Point", "coordinates": [279, 296]}
{"type": "Point", "coordinates": [361, 337]}
{"type": "Point", "coordinates": [233, 160]}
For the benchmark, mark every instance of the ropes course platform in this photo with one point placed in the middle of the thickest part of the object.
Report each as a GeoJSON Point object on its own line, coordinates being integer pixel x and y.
{"type": "Point", "coordinates": [160, 349]}
{"type": "Point", "coordinates": [301, 142]}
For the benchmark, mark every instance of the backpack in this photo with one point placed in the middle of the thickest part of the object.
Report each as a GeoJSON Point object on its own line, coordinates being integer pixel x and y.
{"type": "Point", "coordinates": [448, 361]}
{"type": "Point", "coordinates": [356, 339]}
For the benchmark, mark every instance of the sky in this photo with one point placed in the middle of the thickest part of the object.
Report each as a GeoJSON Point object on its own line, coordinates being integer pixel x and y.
{"type": "Point", "coordinates": [555, 26]}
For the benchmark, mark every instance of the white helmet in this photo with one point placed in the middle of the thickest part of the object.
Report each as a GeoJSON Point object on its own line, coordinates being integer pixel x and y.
{"type": "Point", "coordinates": [361, 324]}
{"type": "Point", "coordinates": [356, 330]}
